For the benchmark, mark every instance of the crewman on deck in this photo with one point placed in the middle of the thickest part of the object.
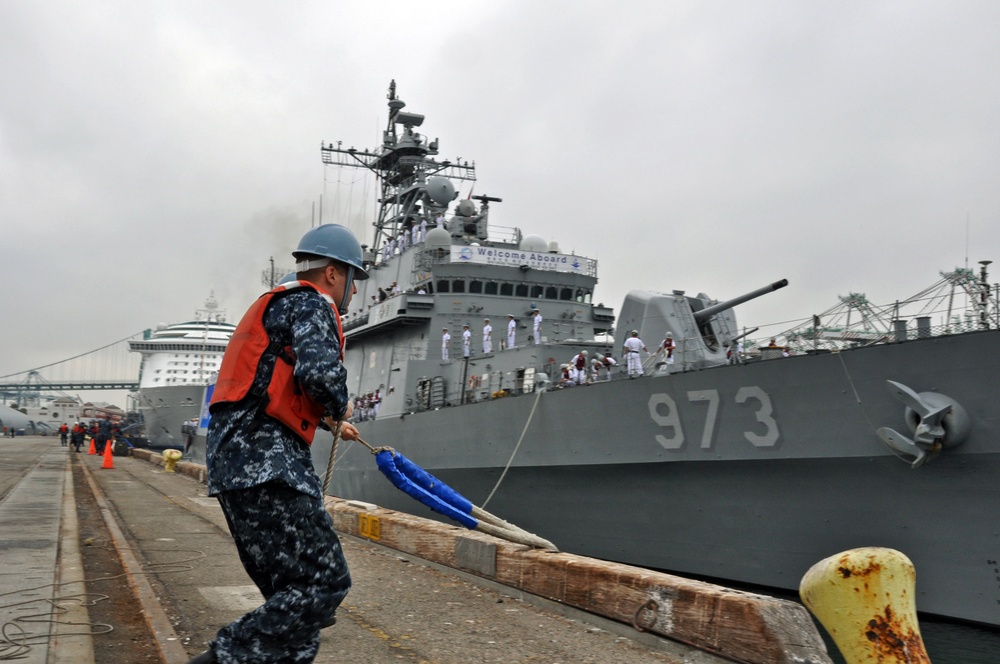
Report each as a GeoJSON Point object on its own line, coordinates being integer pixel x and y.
{"type": "Point", "coordinates": [511, 330]}
{"type": "Point", "coordinates": [282, 374]}
{"type": "Point", "coordinates": [536, 326]}
{"type": "Point", "coordinates": [466, 341]}
{"type": "Point", "coordinates": [631, 349]}
{"type": "Point", "coordinates": [487, 336]}
{"type": "Point", "coordinates": [64, 435]}
{"type": "Point", "coordinates": [445, 341]}
{"type": "Point", "coordinates": [668, 347]}
{"type": "Point", "coordinates": [579, 367]}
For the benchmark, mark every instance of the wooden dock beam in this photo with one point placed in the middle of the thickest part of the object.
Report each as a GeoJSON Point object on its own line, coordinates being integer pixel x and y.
{"type": "Point", "coordinates": [741, 626]}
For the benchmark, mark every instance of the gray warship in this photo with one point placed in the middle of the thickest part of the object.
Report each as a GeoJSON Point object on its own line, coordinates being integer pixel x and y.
{"type": "Point", "coordinates": [727, 460]}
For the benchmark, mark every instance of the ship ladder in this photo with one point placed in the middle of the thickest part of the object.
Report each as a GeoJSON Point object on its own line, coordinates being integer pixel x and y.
{"type": "Point", "coordinates": [420, 485]}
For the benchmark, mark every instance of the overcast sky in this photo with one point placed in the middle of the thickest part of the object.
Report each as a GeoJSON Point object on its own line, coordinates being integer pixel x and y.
{"type": "Point", "coordinates": [152, 152]}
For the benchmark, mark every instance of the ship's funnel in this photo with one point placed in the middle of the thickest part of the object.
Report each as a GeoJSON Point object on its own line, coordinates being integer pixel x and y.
{"type": "Point", "coordinates": [706, 313]}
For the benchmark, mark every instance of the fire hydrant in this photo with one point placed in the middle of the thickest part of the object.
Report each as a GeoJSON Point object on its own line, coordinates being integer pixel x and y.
{"type": "Point", "coordinates": [170, 459]}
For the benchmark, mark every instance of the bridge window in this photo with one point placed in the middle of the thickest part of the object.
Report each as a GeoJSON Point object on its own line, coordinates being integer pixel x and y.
{"type": "Point", "coordinates": [521, 290]}
{"type": "Point", "coordinates": [536, 290]}
{"type": "Point", "coordinates": [458, 286]}
{"type": "Point", "coordinates": [443, 286]}
{"type": "Point", "coordinates": [566, 294]}
{"type": "Point", "coordinates": [550, 293]}
{"type": "Point", "coordinates": [491, 288]}
{"type": "Point", "coordinates": [506, 289]}
{"type": "Point", "coordinates": [583, 295]}
{"type": "Point", "coordinates": [475, 286]}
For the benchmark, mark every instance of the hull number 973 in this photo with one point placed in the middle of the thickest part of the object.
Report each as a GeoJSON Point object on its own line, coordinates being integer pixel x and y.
{"type": "Point", "coordinates": [665, 413]}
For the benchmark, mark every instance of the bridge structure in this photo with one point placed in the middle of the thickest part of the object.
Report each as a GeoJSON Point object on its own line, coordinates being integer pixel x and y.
{"type": "Point", "coordinates": [110, 368]}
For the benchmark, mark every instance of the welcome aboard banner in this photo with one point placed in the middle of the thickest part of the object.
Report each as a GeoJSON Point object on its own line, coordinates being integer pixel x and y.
{"type": "Point", "coordinates": [515, 258]}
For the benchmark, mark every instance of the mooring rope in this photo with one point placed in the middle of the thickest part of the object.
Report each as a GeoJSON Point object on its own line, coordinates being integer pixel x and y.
{"type": "Point", "coordinates": [333, 456]}
{"type": "Point", "coordinates": [438, 496]}
{"type": "Point", "coordinates": [516, 448]}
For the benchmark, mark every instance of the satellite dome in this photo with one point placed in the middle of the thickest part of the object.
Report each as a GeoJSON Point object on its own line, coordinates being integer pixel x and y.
{"type": "Point", "coordinates": [440, 190]}
{"type": "Point", "coordinates": [438, 238]}
{"type": "Point", "coordinates": [465, 208]}
{"type": "Point", "coordinates": [534, 243]}
{"type": "Point", "coordinates": [553, 247]}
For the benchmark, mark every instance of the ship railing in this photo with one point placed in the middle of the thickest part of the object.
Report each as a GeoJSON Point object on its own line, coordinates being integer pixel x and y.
{"type": "Point", "coordinates": [809, 341]}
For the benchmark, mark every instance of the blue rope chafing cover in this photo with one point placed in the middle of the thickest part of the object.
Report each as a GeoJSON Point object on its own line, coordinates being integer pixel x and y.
{"type": "Point", "coordinates": [390, 467]}
{"type": "Point", "coordinates": [431, 484]}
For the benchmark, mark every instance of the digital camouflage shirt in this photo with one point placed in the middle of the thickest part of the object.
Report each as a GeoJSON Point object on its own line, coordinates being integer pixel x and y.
{"type": "Point", "coordinates": [247, 448]}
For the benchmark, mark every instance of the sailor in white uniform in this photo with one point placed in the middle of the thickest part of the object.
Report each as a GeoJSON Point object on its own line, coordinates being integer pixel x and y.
{"type": "Point", "coordinates": [536, 326]}
{"type": "Point", "coordinates": [445, 340]}
{"type": "Point", "coordinates": [487, 336]}
{"type": "Point", "coordinates": [466, 341]}
{"type": "Point", "coordinates": [511, 330]}
{"type": "Point", "coordinates": [631, 349]}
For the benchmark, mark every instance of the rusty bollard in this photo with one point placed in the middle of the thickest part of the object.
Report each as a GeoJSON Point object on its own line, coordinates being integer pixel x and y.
{"type": "Point", "coordinates": [170, 459]}
{"type": "Point", "coordinates": [865, 600]}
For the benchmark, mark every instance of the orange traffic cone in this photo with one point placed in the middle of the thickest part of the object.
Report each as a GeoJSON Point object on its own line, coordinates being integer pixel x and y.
{"type": "Point", "coordinates": [109, 461]}
{"type": "Point", "coordinates": [93, 450]}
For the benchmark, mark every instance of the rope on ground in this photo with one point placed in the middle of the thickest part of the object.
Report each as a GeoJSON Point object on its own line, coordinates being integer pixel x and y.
{"type": "Point", "coordinates": [420, 485]}
{"type": "Point", "coordinates": [16, 642]}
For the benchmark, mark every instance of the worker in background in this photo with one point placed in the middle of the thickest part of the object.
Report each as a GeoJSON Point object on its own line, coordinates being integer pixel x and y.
{"type": "Point", "coordinates": [536, 326]}
{"type": "Point", "coordinates": [445, 341]}
{"type": "Point", "coordinates": [281, 376]}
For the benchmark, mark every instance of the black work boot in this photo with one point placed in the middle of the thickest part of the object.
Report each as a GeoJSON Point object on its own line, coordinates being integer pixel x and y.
{"type": "Point", "coordinates": [204, 658]}
{"type": "Point", "coordinates": [329, 622]}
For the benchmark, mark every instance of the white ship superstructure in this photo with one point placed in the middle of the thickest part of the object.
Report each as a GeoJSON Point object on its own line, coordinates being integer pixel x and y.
{"type": "Point", "coordinates": [178, 361]}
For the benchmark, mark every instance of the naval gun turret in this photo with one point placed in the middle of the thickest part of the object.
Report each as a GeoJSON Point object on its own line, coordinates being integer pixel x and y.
{"type": "Point", "coordinates": [699, 328]}
{"type": "Point", "coordinates": [705, 315]}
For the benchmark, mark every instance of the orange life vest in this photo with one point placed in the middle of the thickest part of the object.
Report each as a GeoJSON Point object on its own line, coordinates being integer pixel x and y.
{"type": "Point", "coordinates": [284, 398]}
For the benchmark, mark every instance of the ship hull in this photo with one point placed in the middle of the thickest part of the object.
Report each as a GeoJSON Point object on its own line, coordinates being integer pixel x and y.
{"type": "Point", "coordinates": [165, 409]}
{"type": "Point", "coordinates": [746, 473]}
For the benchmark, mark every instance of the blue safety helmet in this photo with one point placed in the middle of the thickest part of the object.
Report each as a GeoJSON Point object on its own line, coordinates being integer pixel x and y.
{"type": "Point", "coordinates": [336, 242]}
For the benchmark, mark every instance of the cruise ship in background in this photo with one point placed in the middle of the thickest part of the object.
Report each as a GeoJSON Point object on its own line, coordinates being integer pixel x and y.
{"type": "Point", "coordinates": [178, 361]}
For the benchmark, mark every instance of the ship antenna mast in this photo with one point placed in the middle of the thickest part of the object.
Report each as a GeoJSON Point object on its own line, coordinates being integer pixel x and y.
{"type": "Point", "coordinates": [402, 164]}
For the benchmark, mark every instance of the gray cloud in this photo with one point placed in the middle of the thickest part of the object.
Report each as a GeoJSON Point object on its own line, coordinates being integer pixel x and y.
{"type": "Point", "coordinates": [152, 153]}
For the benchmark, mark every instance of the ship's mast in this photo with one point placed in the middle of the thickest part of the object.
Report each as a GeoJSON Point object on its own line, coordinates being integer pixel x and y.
{"type": "Point", "coordinates": [406, 167]}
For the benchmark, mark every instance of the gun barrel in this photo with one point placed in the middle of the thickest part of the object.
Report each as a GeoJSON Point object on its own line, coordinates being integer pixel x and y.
{"type": "Point", "coordinates": [708, 312]}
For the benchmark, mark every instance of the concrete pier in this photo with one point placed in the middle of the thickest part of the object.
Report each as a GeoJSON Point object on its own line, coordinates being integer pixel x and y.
{"type": "Point", "coordinates": [423, 591]}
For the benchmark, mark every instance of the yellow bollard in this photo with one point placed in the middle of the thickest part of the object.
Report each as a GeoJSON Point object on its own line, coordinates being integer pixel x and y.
{"type": "Point", "coordinates": [170, 459]}
{"type": "Point", "coordinates": [865, 600]}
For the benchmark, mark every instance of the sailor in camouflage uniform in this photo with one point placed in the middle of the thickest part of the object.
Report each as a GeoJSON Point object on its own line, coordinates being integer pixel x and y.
{"type": "Point", "coordinates": [281, 375]}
